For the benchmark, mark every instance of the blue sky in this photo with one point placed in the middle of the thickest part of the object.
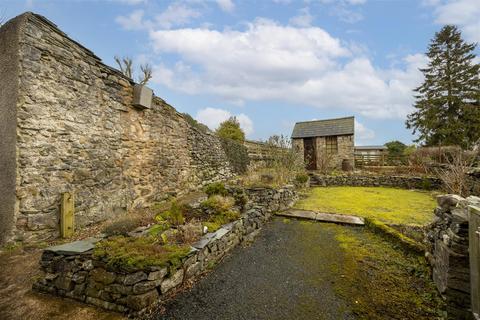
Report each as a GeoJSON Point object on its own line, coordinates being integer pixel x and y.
{"type": "Point", "coordinates": [271, 63]}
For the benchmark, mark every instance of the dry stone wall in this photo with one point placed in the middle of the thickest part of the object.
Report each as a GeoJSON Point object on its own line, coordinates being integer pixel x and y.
{"type": "Point", "coordinates": [77, 131]}
{"type": "Point", "coordinates": [78, 274]}
{"type": "Point", "coordinates": [356, 180]}
{"type": "Point", "coordinates": [448, 253]}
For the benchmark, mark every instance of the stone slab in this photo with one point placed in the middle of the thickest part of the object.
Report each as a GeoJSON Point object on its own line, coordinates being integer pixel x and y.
{"type": "Point", "coordinates": [220, 233]}
{"type": "Point", "coordinates": [339, 218]}
{"type": "Point", "coordinates": [75, 247]}
{"type": "Point", "coordinates": [294, 213]}
{"type": "Point", "coordinates": [322, 217]}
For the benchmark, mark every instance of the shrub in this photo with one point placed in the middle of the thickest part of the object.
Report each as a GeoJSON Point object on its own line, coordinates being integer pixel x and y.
{"type": "Point", "coordinates": [122, 226]}
{"type": "Point", "coordinates": [216, 188]}
{"type": "Point", "coordinates": [218, 204]}
{"type": "Point", "coordinates": [220, 211]}
{"type": "Point", "coordinates": [455, 175]}
{"type": "Point", "coordinates": [285, 161]}
{"type": "Point", "coordinates": [301, 178]}
{"type": "Point", "coordinates": [237, 155]}
{"type": "Point", "coordinates": [230, 129]}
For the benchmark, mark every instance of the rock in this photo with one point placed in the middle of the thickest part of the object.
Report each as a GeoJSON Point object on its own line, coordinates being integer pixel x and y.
{"type": "Point", "coordinates": [170, 283]}
{"type": "Point", "coordinates": [64, 283]}
{"type": "Point", "coordinates": [102, 276]}
{"type": "Point", "coordinates": [449, 201]}
{"type": "Point", "coordinates": [79, 277]}
{"type": "Point", "coordinates": [144, 286]}
{"type": "Point", "coordinates": [133, 278]}
{"type": "Point", "coordinates": [138, 302]}
{"type": "Point", "coordinates": [157, 275]}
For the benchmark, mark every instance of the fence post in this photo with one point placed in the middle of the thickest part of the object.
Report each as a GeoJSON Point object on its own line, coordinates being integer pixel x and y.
{"type": "Point", "coordinates": [474, 255]}
{"type": "Point", "coordinates": [67, 215]}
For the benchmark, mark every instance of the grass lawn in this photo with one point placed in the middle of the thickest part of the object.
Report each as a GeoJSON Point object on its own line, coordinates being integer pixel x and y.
{"type": "Point", "coordinates": [388, 205]}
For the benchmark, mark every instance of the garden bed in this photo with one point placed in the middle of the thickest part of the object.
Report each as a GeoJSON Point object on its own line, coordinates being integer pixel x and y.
{"type": "Point", "coordinates": [130, 272]}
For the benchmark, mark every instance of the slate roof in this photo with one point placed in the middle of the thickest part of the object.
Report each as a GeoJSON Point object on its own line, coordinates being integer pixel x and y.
{"type": "Point", "coordinates": [322, 128]}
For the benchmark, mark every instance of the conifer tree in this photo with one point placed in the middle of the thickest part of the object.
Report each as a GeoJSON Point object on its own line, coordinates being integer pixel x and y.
{"type": "Point", "coordinates": [448, 102]}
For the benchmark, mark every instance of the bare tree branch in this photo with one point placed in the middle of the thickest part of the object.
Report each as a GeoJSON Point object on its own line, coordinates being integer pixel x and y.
{"type": "Point", "coordinates": [126, 67]}
{"type": "Point", "coordinates": [125, 64]}
{"type": "Point", "coordinates": [146, 74]}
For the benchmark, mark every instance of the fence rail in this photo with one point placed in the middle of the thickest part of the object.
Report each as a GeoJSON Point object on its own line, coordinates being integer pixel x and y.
{"type": "Point", "coordinates": [377, 160]}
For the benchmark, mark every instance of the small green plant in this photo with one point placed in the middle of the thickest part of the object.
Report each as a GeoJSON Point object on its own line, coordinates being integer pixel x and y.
{"type": "Point", "coordinates": [301, 178]}
{"type": "Point", "coordinates": [216, 188]}
{"type": "Point", "coordinates": [173, 216]}
{"type": "Point", "coordinates": [158, 228]}
{"type": "Point", "coordinates": [220, 210]}
{"type": "Point", "coordinates": [218, 203]}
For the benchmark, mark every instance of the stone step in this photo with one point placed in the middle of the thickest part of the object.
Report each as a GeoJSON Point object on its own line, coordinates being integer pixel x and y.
{"type": "Point", "coordinates": [323, 217]}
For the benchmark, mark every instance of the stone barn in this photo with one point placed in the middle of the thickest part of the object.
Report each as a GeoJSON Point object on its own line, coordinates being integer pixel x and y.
{"type": "Point", "coordinates": [325, 143]}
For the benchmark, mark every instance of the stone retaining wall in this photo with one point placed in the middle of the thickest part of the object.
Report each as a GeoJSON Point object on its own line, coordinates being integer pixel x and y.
{"type": "Point", "coordinates": [405, 182]}
{"type": "Point", "coordinates": [448, 252]}
{"type": "Point", "coordinates": [83, 277]}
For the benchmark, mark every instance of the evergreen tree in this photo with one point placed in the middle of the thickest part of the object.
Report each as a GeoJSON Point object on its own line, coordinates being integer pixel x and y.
{"type": "Point", "coordinates": [230, 129]}
{"type": "Point", "coordinates": [448, 102]}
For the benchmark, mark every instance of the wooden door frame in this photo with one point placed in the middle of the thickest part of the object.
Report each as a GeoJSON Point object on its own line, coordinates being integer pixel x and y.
{"type": "Point", "coordinates": [310, 160]}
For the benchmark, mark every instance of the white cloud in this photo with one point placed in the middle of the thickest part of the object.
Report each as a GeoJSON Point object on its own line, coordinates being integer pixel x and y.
{"type": "Point", "coordinates": [362, 133]}
{"type": "Point", "coordinates": [212, 117]}
{"type": "Point", "coordinates": [463, 13]}
{"type": "Point", "coordinates": [303, 19]}
{"type": "Point", "coordinates": [176, 14]}
{"type": "Point", "coordinates": [134, 21]}
{"type": "Point", "coordinates": [226, 5]}
{"type": "Point", "coordinates": [271, 62]}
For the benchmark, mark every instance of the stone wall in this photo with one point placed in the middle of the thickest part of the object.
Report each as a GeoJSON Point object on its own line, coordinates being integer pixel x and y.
{"type": "Point", "coordinates": [9, 69]}
{"type": "Point", "coordinates": [448, 252]}
{"type": "Point", "coordinates": [345, 146]}
{"type": "Point", "coordinates": [77, 131]}
{"type": "Point", "coordinates": [79, 275]}
{"type": "Point", "coordinates": [404, 182]}
{"type": "Point", "coordinates": [258, 152]}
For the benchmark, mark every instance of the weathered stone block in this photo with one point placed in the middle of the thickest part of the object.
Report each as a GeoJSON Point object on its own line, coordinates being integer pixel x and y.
{"type": "Point", "coordinates": [133, 278]}
{"type": "Point", "coordinates": [141, 301]}
{"type": "Point", "coordinates": [174, 280]}
{"type": "Point", "coordinates": [102, 276]}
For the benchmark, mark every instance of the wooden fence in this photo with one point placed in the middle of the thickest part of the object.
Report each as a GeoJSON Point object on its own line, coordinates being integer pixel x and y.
{"type": "Point", "coordinates": [381, 159]}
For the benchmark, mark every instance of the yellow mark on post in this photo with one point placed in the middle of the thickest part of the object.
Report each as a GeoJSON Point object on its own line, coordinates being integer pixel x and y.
{"type": "Point", "coordinates": [67, 215]}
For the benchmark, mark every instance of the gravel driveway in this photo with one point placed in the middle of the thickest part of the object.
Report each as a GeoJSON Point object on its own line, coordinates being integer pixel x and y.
{"type": "Point", "coordinates": [285, 274]}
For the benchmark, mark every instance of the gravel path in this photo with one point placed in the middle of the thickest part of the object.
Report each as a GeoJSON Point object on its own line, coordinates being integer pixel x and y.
{"type": "Point", "coordinates": [285, 274]}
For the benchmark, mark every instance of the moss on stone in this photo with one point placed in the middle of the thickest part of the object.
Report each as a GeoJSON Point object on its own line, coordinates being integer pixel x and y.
{"type": "Point", "coordinates": [382, 282]}
{"type": "Point", "coordinates": [388, 205]}
{"type": "Point", "coordinates": [136, 253]}
{"type": "Point", "coordinates": [391, 233]}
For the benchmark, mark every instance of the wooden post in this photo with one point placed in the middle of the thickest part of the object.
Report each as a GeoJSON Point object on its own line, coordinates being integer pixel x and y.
{"type": "Point", "coordinates": [67, 215]}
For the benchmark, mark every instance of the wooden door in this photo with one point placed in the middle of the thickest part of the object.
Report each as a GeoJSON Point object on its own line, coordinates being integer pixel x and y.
{"type": "Point", "coordinates": [310, 154]}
